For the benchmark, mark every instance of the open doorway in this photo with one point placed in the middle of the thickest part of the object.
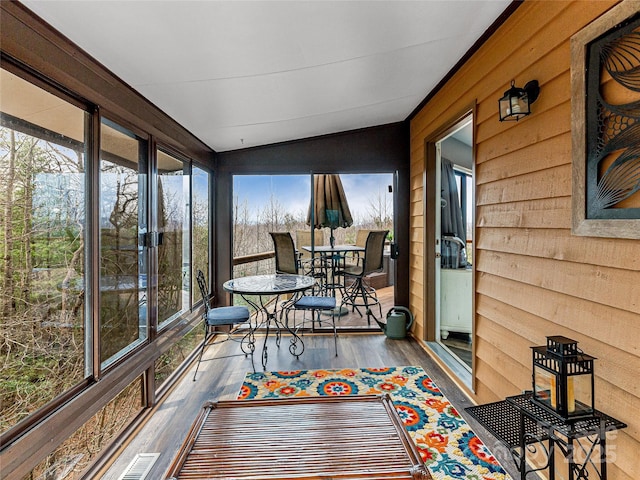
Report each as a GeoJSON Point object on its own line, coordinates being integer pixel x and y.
{"type": "Point", "coordinates": [449, 223]}
{"type": "Point", "coordinates": [455, 236]}
{"type": "Point", "coordinates": [281, 203]}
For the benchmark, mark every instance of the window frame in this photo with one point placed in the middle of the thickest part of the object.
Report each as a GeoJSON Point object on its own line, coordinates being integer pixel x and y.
{"type": "Point", "coordinates": [28, 422]}
{"type": "Point", "coordinates": [104, 365]}
{"type": "Point", "coordinates": [23, 439]}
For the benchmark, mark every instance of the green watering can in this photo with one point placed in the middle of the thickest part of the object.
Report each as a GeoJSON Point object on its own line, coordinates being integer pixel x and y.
{"type": "Point", "coordinates": [399, 321]}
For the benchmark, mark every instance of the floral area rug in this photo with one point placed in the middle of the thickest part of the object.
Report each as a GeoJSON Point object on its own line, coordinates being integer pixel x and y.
{"type": "Point", "coordinates": [449, 448]}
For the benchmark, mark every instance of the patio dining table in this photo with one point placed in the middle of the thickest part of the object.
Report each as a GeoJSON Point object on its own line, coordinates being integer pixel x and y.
{"type": "Point", "coordinates": [258, 291]}
{"type": "Point", "coordinates": [334, 258]}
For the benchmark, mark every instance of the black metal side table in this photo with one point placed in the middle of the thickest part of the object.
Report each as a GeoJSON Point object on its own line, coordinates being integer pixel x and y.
{"type": "Point", "coordinates": [523, 426]}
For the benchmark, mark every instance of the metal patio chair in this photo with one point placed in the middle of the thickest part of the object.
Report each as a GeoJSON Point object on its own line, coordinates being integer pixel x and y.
{"type": "Point", "coordinates": [359, 293]}
{"type": "Point", "coordinates": [316, 304]}
{"type": "Point", "coordinates": [221, 316]}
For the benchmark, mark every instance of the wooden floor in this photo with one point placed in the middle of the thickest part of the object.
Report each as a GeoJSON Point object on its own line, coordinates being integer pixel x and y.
{"type": "Point", "coordinates": [221, 378]}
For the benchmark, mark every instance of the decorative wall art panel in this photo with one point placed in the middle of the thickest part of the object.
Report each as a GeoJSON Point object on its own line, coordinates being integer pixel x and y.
{"type": "Point", "coordinates": [605, 74]}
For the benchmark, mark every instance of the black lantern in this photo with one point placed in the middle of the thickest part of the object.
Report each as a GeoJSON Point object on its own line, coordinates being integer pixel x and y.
{"type": "Point", "coordinates": [563, 378]}
{"type": "Point", "coordinates": [516, 102]}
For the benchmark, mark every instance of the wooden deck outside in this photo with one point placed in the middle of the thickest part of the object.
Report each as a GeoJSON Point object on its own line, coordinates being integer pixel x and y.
{"type": "Point", "coordinates": [353, 320]}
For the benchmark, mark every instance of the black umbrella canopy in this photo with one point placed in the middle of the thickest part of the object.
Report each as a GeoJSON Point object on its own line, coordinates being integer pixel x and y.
{"type": "Point", "coordinates": [329, 207]}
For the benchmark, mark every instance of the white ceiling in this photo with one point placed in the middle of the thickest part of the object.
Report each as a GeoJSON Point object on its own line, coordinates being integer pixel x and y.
{"type": "Point", "coordinates": [245, 73]}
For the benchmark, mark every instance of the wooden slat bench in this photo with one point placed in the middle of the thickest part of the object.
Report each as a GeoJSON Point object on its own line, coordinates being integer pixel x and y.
{"type": "Point", "coordinates": [299, 438]}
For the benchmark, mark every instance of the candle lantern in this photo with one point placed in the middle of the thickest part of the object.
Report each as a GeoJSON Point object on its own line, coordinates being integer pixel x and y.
{"type": "Point", "coordinates": [563, 378]}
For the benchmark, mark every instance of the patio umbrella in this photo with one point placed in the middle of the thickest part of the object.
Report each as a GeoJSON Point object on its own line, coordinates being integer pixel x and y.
{"type": "Point", "coordinates": [329, 207]}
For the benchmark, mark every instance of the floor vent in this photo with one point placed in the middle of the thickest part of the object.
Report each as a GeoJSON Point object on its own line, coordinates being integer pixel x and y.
{"type": "Point", "coordinates": [140, 466]}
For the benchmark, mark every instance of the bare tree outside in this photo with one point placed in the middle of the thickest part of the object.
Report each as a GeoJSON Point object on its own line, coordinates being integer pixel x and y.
{"type": "Point", "coordinates": [42, 331]}
{"type": "Point", "coordinates": [44, 245]}
{"type": "Point", "coordinates": [274, 213]}
{"type": "Point", "coordinates": [380, 212]}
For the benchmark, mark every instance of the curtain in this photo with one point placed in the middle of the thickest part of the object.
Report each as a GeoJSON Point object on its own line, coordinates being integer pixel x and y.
{"type": "Point", "coordinates": [452, 227]}
{"type": "Point", "coordinates": [452, 223]}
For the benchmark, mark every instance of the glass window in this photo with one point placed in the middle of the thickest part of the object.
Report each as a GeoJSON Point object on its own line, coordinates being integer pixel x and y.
{"type": "Point", "coordinates": [263, 204]}
{"type": "Point", "coordinates": [174, 271]}
{"type": "Point", "coordinates": [464, 181]}
{"type": "Point", "coordinates": [200, 226]}
{"type": "Point", "coordinates": [123, 322]}
{"type": "Point", "coordinates": [42, 247]}
{"type": "Point", "coordinates": [69, 460]}
{"type": "Point", "coordinates": [168, 362]}
{"type": "Point", "coordinates": [281, 203]}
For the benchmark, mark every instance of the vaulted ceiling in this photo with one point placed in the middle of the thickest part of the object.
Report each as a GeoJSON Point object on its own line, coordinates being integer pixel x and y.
{"type": "Point", "coordinates": [244, 73]}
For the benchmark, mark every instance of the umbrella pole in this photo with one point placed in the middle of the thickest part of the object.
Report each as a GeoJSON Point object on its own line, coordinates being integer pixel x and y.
{"type": "Point", "coordinates": [339, 310]}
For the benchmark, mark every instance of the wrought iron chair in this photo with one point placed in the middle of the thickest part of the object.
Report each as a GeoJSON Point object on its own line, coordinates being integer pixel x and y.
{"type": "Point", "coordinates": [315, 304]}
{"type": "Point", "coordinates": [316, 267]}
{"type": "Point", "coordinates": [303, 237]}
{"type": "Point", "coordinates": [359, 293]}
{"type": "Point", "coordinates": [221, 316]}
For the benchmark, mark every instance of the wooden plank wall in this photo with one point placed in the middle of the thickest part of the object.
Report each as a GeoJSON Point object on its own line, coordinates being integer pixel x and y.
{"type": "Point", "coordinates": [533, 278]}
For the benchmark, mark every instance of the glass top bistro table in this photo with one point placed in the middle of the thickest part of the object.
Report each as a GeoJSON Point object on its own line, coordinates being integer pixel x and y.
{"type": "Point", "coordinates": [264, 287]}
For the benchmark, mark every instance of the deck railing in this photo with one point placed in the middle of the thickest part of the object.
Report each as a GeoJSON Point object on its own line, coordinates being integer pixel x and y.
{"type": "Point", "coordinates": [254, 264]}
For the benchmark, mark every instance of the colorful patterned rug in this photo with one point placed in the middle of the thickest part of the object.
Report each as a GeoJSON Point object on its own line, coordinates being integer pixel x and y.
{"type": "Point", "coordinates": [448, 446]}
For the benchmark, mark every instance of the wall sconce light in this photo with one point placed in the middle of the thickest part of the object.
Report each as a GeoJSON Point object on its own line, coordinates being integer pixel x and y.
{"type": "Point", "coordinates": [516, 102]}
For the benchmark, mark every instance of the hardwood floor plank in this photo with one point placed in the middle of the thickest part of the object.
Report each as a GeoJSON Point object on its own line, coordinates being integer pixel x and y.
{"type": "Point", "coordinates": [221, 378]}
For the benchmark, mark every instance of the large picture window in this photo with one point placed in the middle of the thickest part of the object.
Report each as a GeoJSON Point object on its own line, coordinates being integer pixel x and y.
{"type": "Point", "coordinates": [99, 238]}
{"type": "Point", "coordinates": [42, 245]}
